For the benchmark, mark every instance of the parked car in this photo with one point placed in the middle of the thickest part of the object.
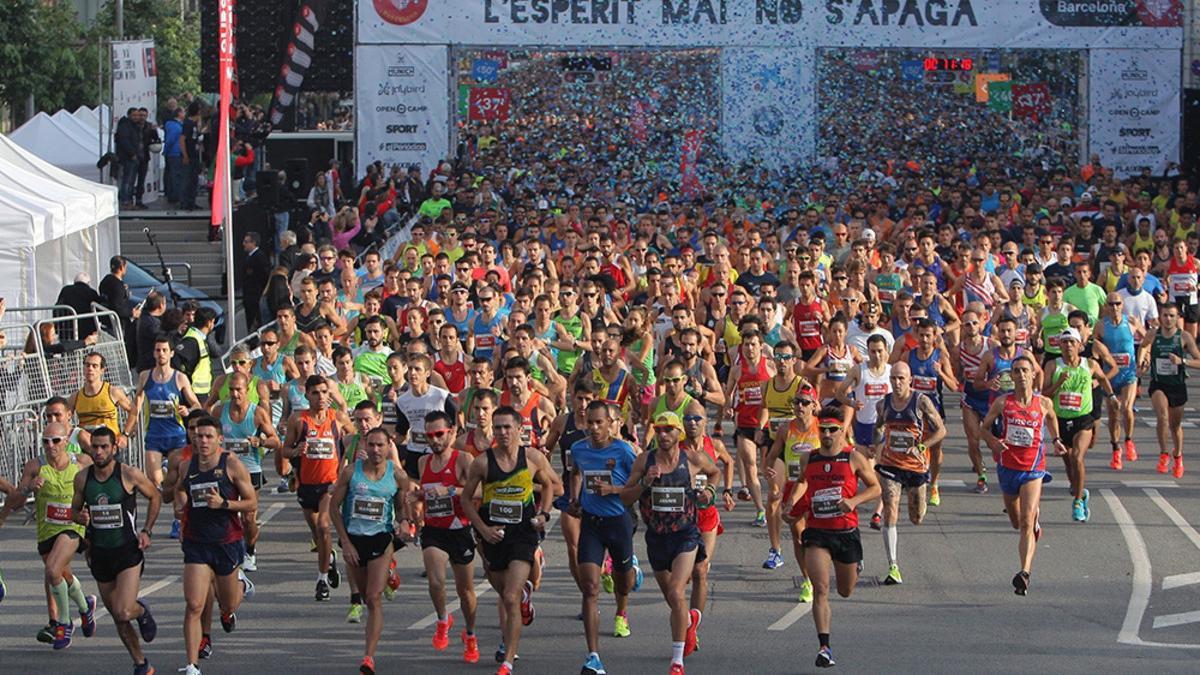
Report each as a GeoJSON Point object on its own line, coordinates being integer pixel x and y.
{"type": "Point", "coordinates": [141, 282]}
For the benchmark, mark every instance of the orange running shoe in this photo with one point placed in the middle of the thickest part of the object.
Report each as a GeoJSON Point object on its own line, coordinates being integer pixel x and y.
{"type": "Point", "coordinates": [441, 634]}
{"type": "Point", "coordinates": [1115, 464]}
{"type": "Point", "coordinates": [690, 641]}
{"type": "Point", "coordinates": [1163, 461]}
{"type": "Point", "coordinates": [1130, 450]}
{"type": "Point", "coordinates": [1178, 470]}
{"type": "Point", "coordinates": [470, 648]}
{"type": "Point", "coordinates": [367, 667]}
{"type": "Point", "coordinates": [504, 669]}
{"type": "Point", "coordinates": [676, 669]}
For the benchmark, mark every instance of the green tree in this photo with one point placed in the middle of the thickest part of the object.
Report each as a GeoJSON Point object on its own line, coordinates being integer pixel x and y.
{"type": "Point", "coordinates": [44, 54]}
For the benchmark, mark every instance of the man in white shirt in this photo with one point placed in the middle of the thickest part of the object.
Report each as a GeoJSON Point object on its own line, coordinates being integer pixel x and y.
{"type": "Point", "coordinates": [861, 329]}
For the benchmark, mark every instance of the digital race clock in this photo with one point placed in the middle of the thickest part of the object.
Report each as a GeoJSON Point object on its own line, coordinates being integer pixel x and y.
{"type": "Point", "coordinates": [949, 64]}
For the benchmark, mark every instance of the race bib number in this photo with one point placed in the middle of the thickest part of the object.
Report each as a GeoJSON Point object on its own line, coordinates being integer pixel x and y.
{"type": "Point", "coordinates": [1123, 359]}
{"type": "Point", "coordinates": [838, 369]}
{"type": "Point", "coordinates": [886, 295]}
{"type": "Point", "coordinates": [369, 508]}
{"type": "Point", "coordinates": [668, 499]}
{"type": "Point", "coordinates": [810, 328]}
{"type": "Point", "coordinates": [924, 384]}
{"type": "Point", "coordinates": [161, 409]}
{"type": "Point", "coordinates": [592, 480]}
{"type": "Point", "coordinates": [1182, 284]}
{"type": "Point", "coordinates": [485, 341]}
{"type": "Point", "coordinates": [1018, 436]}
{"type": "Point", "coordinates": [1023, 336]}
{"type": "Point", "coordinates": [1004, 378]}
{"type": "Point", "coordinates": [875, 390]}
{"type": "Point", "coordinates": [752, 395]}
{"type": "Point", "coordinates": [1070, 401]}
{"type": "Point", "coordinates": [1053, 341]}
{"type": "Point", "coordinates": [439, 501]}
{"type": "Point", "coordinates": [505, 511]}
{"type": "Point", "coordinates": [419, 438]}
{"type": "Point", "coordinates": [58, 513]}
{"type": "Point", "coordinates": [199, 493]}
{"type": "Point", "coordinates": [375, 381]}
{"type": "Point", "coordinates": [699, 481]}
{"type": "Point", "coordinates": [1165, 366]}
{"type": "Point", "coordinates": [902, 441]}
{"type": "Point", "coordinates": [795, 471]}
{"type": "Point", "coordinates": [319, 448]}
{"type": "Point", "coordinates": [825, 502]}
{"type": "Point", "coordinates": [105, 516]}
{"type": "Point", "coordinates": [241, 447]}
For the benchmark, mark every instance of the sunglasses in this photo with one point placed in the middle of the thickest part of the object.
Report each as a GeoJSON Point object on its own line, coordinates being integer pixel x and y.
{"type": "Point", "coordinates": [737, 302]}
{"type": "Point", "coordinates": [784, 357]}
{"type": "Point", "coordinates": [1115, 304]}
{"type": "Point", "coordinates": [53, 440]}
{"type": "Point", "coordinates": [590, 295]}
{"type": "Point", "coordinates": [692, 419]}
{"type": "Point", "coordinates": [240, 362]}
{"type": "Point", "coordinates": [664, 429]}
{"type": "Point", "coordinates": [437, 434]}
{"type": "Point", "coordinates": [802, 401]}
{"type": "Point", "coordinates": [677, 378]}
{"type": "Point", "coordinates": [829, 429]}
{"type": "Point", "coordinates": [269, 343]}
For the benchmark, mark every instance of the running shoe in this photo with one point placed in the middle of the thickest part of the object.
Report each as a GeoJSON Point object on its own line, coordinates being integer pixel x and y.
{"type": "Point", "coordinates": [144, 668]}
{"type": "Point", "coordinates": [638, 577]}
{"type": "Point", "coordinates": [527, 610]}
{"type": "Point", "coordinates": [228, 621]}
{"type": "Point", "coordinates": [620, 626]}
{"type": "Point", "coordinates": [592, 666]}
{"type": "Point", "coordinates": [825, 658]}
{"type": "Point", "coordinates": [313, 547]}
{"type": "Point", "coordinates": [743, 494]}
{"type": "Point", "coordinates": [606, 582]}
{"type": "Point", "coordinates": [500, 653]}
{"type": "Point", "coordinates": [62, 635]}
{"type": "Point", "coordinates": [806, 591]}
{"type": "Point", "coordinates": [676, 669]}
{"type": "Point", "coordinates": [1177, 470]}
{"type": "Point", "coordinates": [1087, 505]}
{"type": "Point", "coordinates": [760, 519]}
{"type": "Point", "coordinates": [1077, 513]}
{"type": "Point", "coordinates": [46, 634]}
{"type": "Point", "coordinates": [935, 497]}
{"type": "Point", "coordinates": [250, 563]}
{"type": "Point", "coordinates": [355, 615]}
{"type": "Point", "coordinates": [1115, 463]}
{"type": "Point", "coordinates": [504, 669]}
{"type": "Point", "coordinates": [189, 669]}
{"type": "Point", "coordinates": [691, 640]}
{"type": "Point", "coordinates": [981, 486]}
{"type": "Point", "coordinates": [470, 648]}
{"type": "Point", "coordinates": [367, 667]}
{"type": "Point", "coordinates": [1021, 583]}
{"type": "Point", "coordinates": [1130, 450]}
{"type": "Point", "coordinates": [176, 526]}
{"type": "Point", "coordinates": [334, 578]}
{"type": "Point", "coordinates": [388, 593]}
{"type": "Point", "coordinates": [322, 593]}
{"type": "Point", "coordinates": [247, 585]}
{"type": "Point", "coordinates": [876, 521]}
{"type": "Point", "coordinates": [282, 488]}
{"type": "Point", "coordinates": [147, 626]}
{"type": "Point", "coordinates": [774, 560]}
{"type": "Point", "coordinates": [893, 576]}
{"type": "Point", "coordinates": [441, 633]}
{"type": "Point", "coordinates": [206, 648]}
{"type": "Point", "coordinates": [87, 618]}
{"type": "Point", "coordinates": [1164, 461]}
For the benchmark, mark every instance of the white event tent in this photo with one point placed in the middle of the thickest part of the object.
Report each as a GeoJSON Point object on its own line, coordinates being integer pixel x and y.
{"type": "Point", "coordinates": [53, 225]}
{"type": "Point", "coordinates": [62, 140]}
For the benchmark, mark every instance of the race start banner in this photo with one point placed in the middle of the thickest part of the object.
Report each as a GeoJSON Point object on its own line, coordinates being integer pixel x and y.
{"type": "Point", "coordinates": [1134, 108]}
{"type": "Point", "coordinates": [402, 105]}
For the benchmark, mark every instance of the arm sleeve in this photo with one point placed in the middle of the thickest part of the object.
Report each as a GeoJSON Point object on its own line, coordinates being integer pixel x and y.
{"type": "Point", "coordinates": [401, 422]}
{"type": "Point", "coordinates": [451, 408]}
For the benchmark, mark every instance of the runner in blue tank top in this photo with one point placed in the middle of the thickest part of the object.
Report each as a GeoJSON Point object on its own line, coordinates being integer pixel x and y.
{"type": "Point", "coordinates": [248, 433]}
{"type": "Point", "coordinates": [1116, 332]}
{"type": "Point", "coordinates": [169, 395]}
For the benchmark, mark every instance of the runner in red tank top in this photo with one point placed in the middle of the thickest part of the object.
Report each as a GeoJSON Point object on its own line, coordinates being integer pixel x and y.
{"type": "Point", "coordinates": [809, 315]}
{"type": "Point", "coordinates": [746, 387]}
{"type": "Point", "coordinates": [1021, 456]}
{"type": "Point", "coordinates": [447, 535]}
{"type": "Point", "coordinates": [708, 519]}
{"type": "Point", "coordinates": [830, 501]}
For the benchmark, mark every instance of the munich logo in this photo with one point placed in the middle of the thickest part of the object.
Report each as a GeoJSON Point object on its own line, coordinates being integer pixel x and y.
{"type": "Point", "coordinates": [1134, 74]}
{"type": "Point", "coordinates": [400, 12]}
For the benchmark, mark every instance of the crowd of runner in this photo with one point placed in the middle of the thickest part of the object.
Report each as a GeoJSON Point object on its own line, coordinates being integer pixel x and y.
{"type": "Point", "coordinates": [543, 346]}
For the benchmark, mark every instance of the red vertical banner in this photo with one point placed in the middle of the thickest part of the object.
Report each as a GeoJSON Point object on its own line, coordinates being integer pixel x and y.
{"type": "Point", "coordinates": [689, 181]}
{"type": "Point", "coordinates": [1031, 100]}
{"type": "Point", "coordinates": [221, 177]}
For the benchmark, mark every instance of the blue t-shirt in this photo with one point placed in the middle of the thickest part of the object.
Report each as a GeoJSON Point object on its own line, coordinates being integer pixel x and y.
{"type": "Point", "coordinates": [611, 464]}
{"type": "Point", "coordinates": [1151, 285]}
{"type": "Point", "coordinates": [171, 132]}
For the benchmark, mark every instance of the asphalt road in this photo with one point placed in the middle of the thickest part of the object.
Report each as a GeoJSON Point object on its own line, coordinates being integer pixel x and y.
{"type": "Point", "coordinates": [1118, 592]}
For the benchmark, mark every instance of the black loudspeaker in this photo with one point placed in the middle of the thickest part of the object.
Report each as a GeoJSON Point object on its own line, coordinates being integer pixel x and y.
{"type": "Point", "coordinates": [1191, 131]}
{"type": "Point", "coordinates": [298, 176]}
{"type": "Point", "coordinates": [268, 191]}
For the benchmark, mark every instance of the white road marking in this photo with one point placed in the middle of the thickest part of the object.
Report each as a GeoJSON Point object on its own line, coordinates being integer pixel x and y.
{"type": "Point", "coordinates": [271, 513]}
{"type": "Point", "coordinates": [1183, 618]}
{"type": "Point", "coordinates": [1139, 595]}
{"type": "Point", "coordinates": [1157, 484]}
{"type": "Point", "coordinates": [152, 588]}
{"type": "Point", "coordinates": [794, 614]}
{"type": "Point", "coordinates": [1177, 580]}
{"type": "Point", "coordinates": [480, 589]}
{"type": "Point", "coordinates": [1175, 516]}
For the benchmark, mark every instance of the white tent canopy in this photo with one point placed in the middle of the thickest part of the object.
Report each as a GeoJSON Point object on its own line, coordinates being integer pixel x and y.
{"type": "Point", "coordinates": [66, 147]}
{"type": "Point", "coordinates": [53, 225]}
{"type": "Point", "coordinates": [91, 117]}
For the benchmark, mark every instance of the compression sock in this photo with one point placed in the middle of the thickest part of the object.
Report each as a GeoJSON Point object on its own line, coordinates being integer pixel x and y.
{"type": "Point", "coordinates": [889, 543]}
{"type": "Point", "coordinates": [61, 595]}
{"type": "Point", "coordinates": [823, 638]}
{"type": "Point", "coordinates": [75, 589]}
{"type": "Point", "coordinates": [677, 652]}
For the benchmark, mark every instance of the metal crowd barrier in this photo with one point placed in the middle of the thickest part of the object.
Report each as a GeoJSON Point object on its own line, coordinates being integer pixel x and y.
{"type": "Point", "coordinates": [20, 441]}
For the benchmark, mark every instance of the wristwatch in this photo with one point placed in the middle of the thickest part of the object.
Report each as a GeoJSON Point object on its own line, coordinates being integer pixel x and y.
{"type": "Point", "coordinates": [545, 516]}
{"type": "Point", "coordinates": [224, 502]}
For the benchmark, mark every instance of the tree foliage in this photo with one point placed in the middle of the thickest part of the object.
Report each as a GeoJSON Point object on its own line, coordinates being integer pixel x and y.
{"type": "Point", "coordinates": [176, 39]}
{"type": "Point", "coordinates": [44, 54]}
